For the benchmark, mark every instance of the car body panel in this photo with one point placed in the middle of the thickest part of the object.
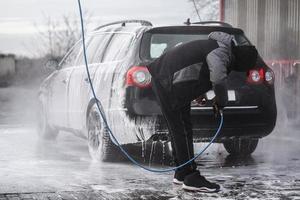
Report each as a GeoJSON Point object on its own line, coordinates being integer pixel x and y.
{"type": "Point", "coordinates": [133, 113]}
{"type": "Point", "coordinates": [58, 105]}
{"type": "Point", "coordinates": [77, 99]}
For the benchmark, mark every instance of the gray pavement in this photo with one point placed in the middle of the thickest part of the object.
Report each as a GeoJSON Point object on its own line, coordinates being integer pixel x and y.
{"type": "Point", "coordinates": [34, 169]}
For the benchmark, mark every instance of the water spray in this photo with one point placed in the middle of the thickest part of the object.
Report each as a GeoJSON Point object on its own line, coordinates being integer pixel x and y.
{"type": "Point", "coordinates": [112, 137]}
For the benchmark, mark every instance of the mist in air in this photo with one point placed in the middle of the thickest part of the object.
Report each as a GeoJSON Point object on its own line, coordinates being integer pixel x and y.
{"type": "Point", "coordinates": [31, 167]}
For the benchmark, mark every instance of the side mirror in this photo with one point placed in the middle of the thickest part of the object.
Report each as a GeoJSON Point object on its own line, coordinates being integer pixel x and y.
{"type": "Point", "coordinates": [52, 65]}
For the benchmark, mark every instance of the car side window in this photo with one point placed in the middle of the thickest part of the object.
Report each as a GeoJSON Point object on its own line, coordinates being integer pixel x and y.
{"type": "Point", "coordinates": [104, 38]}
{"type": "Point", "coordinates": [95, 48]}
{"type": "Point", "coordinates": [70, 58]}
{"type": "Point", "coordinates": [118, 47]}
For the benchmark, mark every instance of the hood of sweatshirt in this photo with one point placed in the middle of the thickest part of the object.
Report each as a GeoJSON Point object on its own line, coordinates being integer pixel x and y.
{"type": "Point", "coordinates": [223, 39]}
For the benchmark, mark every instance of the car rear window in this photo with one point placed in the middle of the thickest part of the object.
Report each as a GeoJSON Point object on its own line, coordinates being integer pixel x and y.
{"type": "Point", "coordinates": [155, 44]}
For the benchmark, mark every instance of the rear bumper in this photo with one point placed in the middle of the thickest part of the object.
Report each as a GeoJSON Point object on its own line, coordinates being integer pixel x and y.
{"type": "Point", "coordinates": [239, 122]}
{"type": "Point", "coordinates": [241, 119]}
{"type": "Point", "coordinates": [141, 102]}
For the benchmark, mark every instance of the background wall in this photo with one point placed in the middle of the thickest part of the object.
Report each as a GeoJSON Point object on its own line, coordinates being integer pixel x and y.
{"type": "Point", "coordinates": [272, 25]}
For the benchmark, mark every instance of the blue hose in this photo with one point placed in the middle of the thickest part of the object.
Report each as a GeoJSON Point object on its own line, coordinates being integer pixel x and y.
{"type": "Point", "coordinates": [114, 140]}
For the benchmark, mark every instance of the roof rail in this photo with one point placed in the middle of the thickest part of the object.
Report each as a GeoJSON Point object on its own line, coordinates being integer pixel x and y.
{"type": "Point", "coordinates": [124, 22]}
{"type": "Point", "coordinates": [188, 22]}
{"type": "Point", "coordinates": [214, 22]}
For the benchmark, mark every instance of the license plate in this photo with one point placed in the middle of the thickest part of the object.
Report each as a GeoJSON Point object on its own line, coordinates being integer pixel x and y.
{"type": "Point", "coordinates": [231, 95]}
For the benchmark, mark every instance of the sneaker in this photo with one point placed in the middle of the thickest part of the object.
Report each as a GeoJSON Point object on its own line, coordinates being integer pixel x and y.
{"type": "Point", "coordinates": [196, 182]}
{"type": "Point", "coordinates": [180, 175]}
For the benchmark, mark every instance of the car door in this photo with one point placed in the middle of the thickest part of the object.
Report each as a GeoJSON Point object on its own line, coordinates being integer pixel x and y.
{"type": "Point", "coordinates": [79, 87]}
{"type": "Point", "coordinates": [59, 90]}
{"type": "Point", "coordinates": [108, 81]}
{"type": "Point", "coordinates": [111, 63]}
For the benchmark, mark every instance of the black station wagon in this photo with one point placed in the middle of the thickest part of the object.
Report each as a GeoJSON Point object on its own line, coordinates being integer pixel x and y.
{"type": "Point", "coordinates": [117, 54]}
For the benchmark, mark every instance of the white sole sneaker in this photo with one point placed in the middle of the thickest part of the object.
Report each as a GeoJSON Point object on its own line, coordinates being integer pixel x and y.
{"type": "Point", "coordinates": [177, 182]}
{"type": "Point", "coordinates": [198, 189]}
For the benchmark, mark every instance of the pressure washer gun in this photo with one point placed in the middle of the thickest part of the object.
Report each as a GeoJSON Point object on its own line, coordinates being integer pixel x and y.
{"type": "Point", "coordinates": [220, 99]}
{"type": "Point", "coordinates": [217, 110]}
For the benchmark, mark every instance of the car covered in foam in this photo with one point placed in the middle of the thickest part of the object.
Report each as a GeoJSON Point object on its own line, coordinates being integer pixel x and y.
{"type": "Point", "coordinates": [118, 54]}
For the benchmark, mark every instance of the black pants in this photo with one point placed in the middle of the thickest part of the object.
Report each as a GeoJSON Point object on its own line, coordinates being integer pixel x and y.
{"type": "Point", "coordinates": [179, 125]}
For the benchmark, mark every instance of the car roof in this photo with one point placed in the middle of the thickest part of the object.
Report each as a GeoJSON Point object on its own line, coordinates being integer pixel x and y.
{"type": "Point", "coordinates": [194, 28]}
{"type": "Point", "coordinates": [129, 29]}
{"type": "Point", "coordinates": [131, 26]}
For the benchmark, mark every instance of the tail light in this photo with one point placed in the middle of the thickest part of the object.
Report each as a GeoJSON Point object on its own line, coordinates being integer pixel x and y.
{"type": "Point", "coordinates": [138, 76]}
{"type": "Point", "coordinates": [269, 77]}
{"type": "Point", "coordinates": [257, 76]}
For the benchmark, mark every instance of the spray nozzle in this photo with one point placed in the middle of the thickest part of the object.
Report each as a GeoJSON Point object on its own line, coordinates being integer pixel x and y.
{"type": "Point", "coordinates": [221, 112]}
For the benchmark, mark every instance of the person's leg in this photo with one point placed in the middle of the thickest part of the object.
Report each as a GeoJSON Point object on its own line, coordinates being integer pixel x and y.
{"type": "Point", "coordinates": [178, 122]}
{"type": "Point", "coordinates": [181, 173]}
{"type": "Point", "coordinates": [181, 144]}
{"type": "Point", "coordinates": [188, 130]}
{"type": "Point", "coordinates": [174, 119]}
{"type": "Point", "coordinates": [194, 181]}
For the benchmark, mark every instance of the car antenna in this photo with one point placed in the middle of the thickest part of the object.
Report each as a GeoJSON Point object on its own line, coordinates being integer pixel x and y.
{"type": "Point", "coordinates": [188, 22]}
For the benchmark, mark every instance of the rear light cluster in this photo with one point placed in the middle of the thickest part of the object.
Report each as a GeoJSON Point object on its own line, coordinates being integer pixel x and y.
{"type": "Point", "coordinates": [138, 76]}
{"type": "Point", "coordinates": [257, 76]}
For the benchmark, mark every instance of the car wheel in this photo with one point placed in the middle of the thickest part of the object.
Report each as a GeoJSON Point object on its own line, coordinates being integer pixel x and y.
{"type": "Point", "coordinates": [241, 146]}
{"type": "Point", "coordinates": [101, 148]}
{"type": "Point", "coordinates": [45, 131]}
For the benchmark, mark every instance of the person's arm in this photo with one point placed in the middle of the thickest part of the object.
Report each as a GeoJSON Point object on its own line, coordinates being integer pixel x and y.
{"type": "Point", "coordinates": [217, 62]}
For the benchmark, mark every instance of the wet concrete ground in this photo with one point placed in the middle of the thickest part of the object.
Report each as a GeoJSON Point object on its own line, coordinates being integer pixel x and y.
{"type": "Point", "coordinates": [33, 169]}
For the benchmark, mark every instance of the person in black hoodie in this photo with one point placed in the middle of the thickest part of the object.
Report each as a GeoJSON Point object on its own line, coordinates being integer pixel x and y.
{"type": "Point", "coordinates": [185, 73]}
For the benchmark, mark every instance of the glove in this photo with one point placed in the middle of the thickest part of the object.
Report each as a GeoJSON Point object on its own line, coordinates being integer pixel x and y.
{"type": "Point", "coordinates": [221, 98]}
{"type": "Point", "coordinates": [201, 100]}
{"type": "Point", "coordinates": [218, 110]}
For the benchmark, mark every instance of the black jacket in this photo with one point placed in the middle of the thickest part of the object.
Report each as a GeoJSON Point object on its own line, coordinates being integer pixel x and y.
{"type": "Point", "coordinates": [191, 69]}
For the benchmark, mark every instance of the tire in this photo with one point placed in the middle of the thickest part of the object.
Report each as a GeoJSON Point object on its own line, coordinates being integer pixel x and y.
{"type": "Point", "coordinates": [241, 147]}
{"type": "Point", "coordinates": [101, 148]}
{"type": "Point", "coordinates": [159, 154]}
{"type": "Point", "coordinates": [45, 131]}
